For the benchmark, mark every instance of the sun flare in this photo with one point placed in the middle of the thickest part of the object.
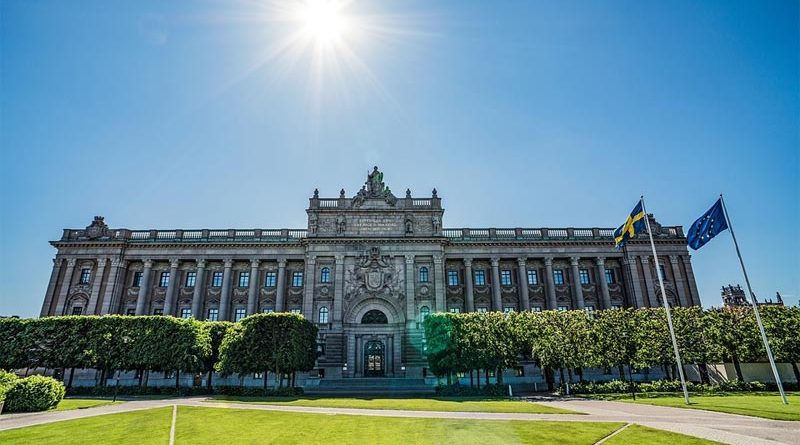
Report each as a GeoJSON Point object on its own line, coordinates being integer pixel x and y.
{"type": "Point", "coordinates": [322, 20]}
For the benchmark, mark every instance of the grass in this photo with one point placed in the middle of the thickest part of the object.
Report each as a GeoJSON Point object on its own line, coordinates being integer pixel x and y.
{"type": "Point", "coordinates": [463, 404]}
{"type": "Point", "coordinates": [198, 425]}
{"type": "Point", "coordinates": [766, 405]}
{"type": "Point", "coordinates": [135, 427]}
{"type": "Point", "coordinates": [641, 434]}
{"type": "Point", "coordinates": [67, 404]}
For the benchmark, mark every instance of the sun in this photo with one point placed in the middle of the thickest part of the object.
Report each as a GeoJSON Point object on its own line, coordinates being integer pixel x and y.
{"type": "Point", "coordinates": [322, 20]}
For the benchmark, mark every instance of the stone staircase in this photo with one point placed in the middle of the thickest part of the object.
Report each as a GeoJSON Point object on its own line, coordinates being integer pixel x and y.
{"type": "Point", "coordinates": [372, 386]}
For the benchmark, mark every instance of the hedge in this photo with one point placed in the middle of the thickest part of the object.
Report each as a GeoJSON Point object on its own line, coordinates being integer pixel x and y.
{"type": "Point", "coordinates": [33, 393]}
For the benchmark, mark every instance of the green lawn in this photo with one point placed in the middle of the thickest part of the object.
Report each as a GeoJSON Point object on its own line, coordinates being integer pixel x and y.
{"type": "Point", "coordinates": [241, 426]}
{"type": "Point", "coordinates": [465, 404]}
{"type": "Point", "coordinates": [83, 403]}
{"type": "Point", "coordinates": [764, 405]}
{"type": "Point", "coordinates": [135, 427]}
{"type": "Point", "coordinates": [640, 434]}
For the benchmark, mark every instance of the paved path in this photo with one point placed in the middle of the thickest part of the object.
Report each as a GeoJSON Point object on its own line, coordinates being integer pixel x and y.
{"type": "Point", "coordinates": [726, 428]}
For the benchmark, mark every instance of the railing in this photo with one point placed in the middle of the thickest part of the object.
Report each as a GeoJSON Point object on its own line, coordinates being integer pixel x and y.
{"type": "Point", "coordinates": [545, 234]}
{"type": "Point", "coordinates": [205, 235]}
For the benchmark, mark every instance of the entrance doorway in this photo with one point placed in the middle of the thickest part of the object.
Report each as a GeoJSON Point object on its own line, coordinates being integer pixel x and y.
{"type": "Point", "coordinates": [374, 359]}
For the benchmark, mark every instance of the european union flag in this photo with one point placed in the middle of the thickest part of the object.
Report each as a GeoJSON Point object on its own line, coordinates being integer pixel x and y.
{"type": "Point", "coordinates": [707, 226]}
{"type": "Point", "coordinates": [634, 225]}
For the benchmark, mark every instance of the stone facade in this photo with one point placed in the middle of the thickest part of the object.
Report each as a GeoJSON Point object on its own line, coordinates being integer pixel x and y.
{"type": "Point", "coordinates": [367, 270]}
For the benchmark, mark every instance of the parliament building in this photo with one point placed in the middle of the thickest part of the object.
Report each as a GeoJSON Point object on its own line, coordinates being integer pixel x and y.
{"type": "Point", "coordinates": [366, 270]}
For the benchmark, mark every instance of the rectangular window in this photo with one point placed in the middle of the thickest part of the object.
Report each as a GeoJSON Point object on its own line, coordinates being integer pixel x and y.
{"type": "Point", "coordinates": [483, 309]}
{"type": "Point", "coordinates": [583, 274]}
{"type": "Point", "coordinates": [137, 279]}
{"type": "Point", "coordinates": [77, 310]}
{"type": "Point", "coordinates": [158, 311]}
{"type": "Point", "coordinates": [508, 309]}
{"type": "Point", "coordinates": [505, 277]}
{"type": "Point", "coordinates": [455, 310]}
{"type": "Point", "coordinates": [297, 279]}
{"type": "Point", "coordinates": [191, 277]}
{"type": "Point", "coordinates": [558, 276]}
{"type": "Point", "coordinates": [244, 279]}
{"type": "Point", "coordinates": [536, 309]}
{"type": "Point", "coordinates": [270, 279]}
{"type": "Point", "coordinates": [239, 313]}
{"type": "Point", "coordinates": [563, 308]}
{"type": "Point", "coordinates": [164, 280]}
{"type": "Point", "coordinates": [216, 279]}
{"type": "Point", "coordinates": [186, 313]}
{"type": "Point", "coordinates": [452, 278]}
{"type": "Point", "coordinates": [533, 277]}
{"type": "Point", "coordinates": [610, 278]}
{"type": "Point", "coordinates": [86, 276]}
{"type": "Point", "coordinates": [480, 278]}
{"type": "Point", "coordinates": [213, 314]}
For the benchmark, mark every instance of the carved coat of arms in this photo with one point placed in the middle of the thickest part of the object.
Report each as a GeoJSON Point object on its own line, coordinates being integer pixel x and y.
{"type": "Point", "coordinates": [374, 275]}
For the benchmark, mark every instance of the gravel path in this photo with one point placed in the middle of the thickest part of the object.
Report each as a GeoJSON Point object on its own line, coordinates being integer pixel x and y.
{"type": "Point", "coordinates": [726, 428]}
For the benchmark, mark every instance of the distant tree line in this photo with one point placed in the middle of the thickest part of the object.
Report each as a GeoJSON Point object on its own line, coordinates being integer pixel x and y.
{"type": "Point", "coordinates": [282, 343]}
{"type": "Point", "coordinates": [619, 339]}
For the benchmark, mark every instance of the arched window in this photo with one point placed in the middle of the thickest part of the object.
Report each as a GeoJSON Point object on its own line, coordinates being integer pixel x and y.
{"type": "Point", "coordinates": [374, 317]}
{"type": "Point", "coordinates": [325, 275]}
{"type": "Point", "coordinates": [323, 314]}
{"type": "Point", "coordinates": [423, 274]}
{"type": "Point", "coordinates": [424, 311]}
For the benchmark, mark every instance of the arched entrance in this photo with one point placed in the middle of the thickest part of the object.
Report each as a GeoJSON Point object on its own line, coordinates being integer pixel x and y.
{"type": "Point", "coordinates": [374, 359]}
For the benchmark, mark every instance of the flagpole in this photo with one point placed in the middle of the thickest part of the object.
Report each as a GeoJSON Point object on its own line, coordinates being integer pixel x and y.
{"type": "Point", "coordinates": [666, 305]}
{"type": "Point", "coordinates": [755, 305]}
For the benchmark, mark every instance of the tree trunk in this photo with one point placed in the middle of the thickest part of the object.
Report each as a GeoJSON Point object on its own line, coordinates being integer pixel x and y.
{"type": "Point", "coordinates": [738, 367]}
{"type": "Point", "coordinates": [703, 368]}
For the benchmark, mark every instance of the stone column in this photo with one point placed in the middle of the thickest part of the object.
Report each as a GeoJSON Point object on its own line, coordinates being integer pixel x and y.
{"type": "Point", "coordinates": [694, 296]}
{"type": "Point", "coordinates": [351, 355]}
{"type": "Point", "coordinates": [65, 285]}
{"type": "Point", "coordinates": [97, 282]}
{"type": "Point", "coordinates": [198, 295]}
{"type": "Point", "coordinates": [469, 294]}
{"type": "Point", "coordinates": [252, 291]}
{"type": "Point", "coordinates": [636, 288]}
{"type": "Point", "coordinates": [576, 283]}
{"type": "Point", "coordinates": [225, 292]}
{"type": "Point", "coordinates": [338, 292]}
{"type": "Point", "coordinates": [679, 290]}
{"type": "Point", "coordinates": [648, 282]}
{"type": "Point", "coordinates": [309, 280]}
{"type": "Point", "coordinates": [523, 283]}
{"type": "Point", "coordinates": [51, 287]}
{"type": "Point", "coordinates": [280, 292]}
{"type": "Point", "coordinates": [601, 273]}
{"type": "Point", "coordinates": [144, 289]}
{"type": "Point", "coordinates": [114, 286]}
{"type": "Point", "coordinates": [172, 287]}
{"type": "Point", "coordinates": [497, 301]}
{"type": "Point", "coordinates": [552, 302]}
{"type": "Point", "coordinates": [438, 285]}
{"type": "Point", "coordinates": [411, 313]}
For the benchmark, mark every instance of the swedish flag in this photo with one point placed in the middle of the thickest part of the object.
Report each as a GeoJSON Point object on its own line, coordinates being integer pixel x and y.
{"type": "Point", "coordinates": [632, 227]}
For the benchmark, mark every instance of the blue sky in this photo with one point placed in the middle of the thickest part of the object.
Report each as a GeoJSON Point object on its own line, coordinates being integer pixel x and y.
{"type": "Point", "coordinates": [174, 115]}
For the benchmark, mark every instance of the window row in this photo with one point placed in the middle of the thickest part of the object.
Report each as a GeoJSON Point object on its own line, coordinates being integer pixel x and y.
{"type": "Point", "coordinates": [479, 277]}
